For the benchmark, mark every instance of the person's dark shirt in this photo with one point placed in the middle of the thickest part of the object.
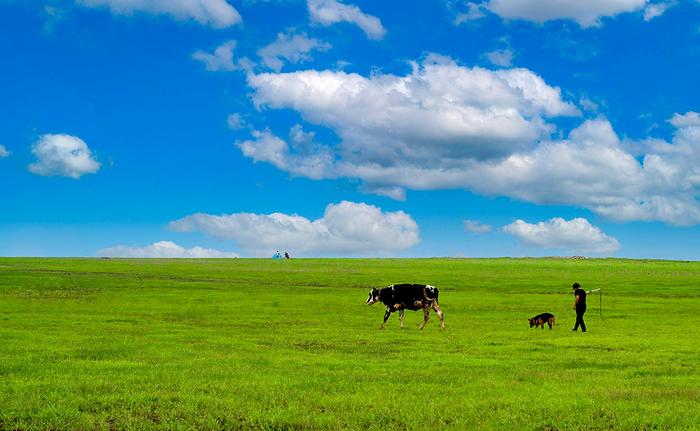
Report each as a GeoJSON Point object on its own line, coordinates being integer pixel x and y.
{"type": "Point", "coordinates": [581, 298]}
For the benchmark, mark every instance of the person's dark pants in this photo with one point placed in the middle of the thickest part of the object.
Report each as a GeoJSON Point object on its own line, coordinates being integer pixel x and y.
{"type": "Point", "coordinates": [579, 319]}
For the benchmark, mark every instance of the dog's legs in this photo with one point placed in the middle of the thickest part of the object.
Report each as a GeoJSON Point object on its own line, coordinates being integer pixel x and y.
{"type": "Point", "coordinates": [401, 317]}
{"type": "Point", "coordinates": [440, 314]}
{"type": "Point", "coordinates": [426, 316]}
{"type": "Point", "coordinates": [386, 317]}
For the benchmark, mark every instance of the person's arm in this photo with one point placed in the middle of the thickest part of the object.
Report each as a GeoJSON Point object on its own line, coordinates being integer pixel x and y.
{"type": "Point", "coordinates": [575, 302]}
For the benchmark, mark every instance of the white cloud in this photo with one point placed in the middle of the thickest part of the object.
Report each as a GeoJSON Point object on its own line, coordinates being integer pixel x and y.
{"type": "Point", "coordinates": [163, 249]}
{"type": "Point", "coordinates": [501, 57]}
{"type": "Point", "coordinates": [62, 155]}
{"type": "Point", "coordinates": [587, 13]}
{"type": "Point", "coordinates": [303, 158]}
{"type": "Point", "coordinates": [474, 226]}
{"type": "Point", "coordinates": [689, 119]}
{"type": "Point", "coordinates": [654, 10]}
{"type": "Point", "coordinates": [576, 235]}
{"type": "Point", "coordinates": [444, 126]}
{"type": "Point", "coordinates": [345, 228]}
{"type": "Point", "coordinates": [213, 13]}
{"type": "Point", "coordinates": [329, 12]}
{"type": "Point", "coordinates": [220, 60]}
{"type": "Point", "coordinates": [474, 12]}
{"type": "Point", "coordinates": [293, 48]}
{"type": "Point", "coordinates": [589, 169]}
{"type": "Point", "coordinates": [4, 152]}
{"type": "Point", "coordinates": [438, 114]}
{"type": "Point", "coordinates": [438, 128]}
{"type": "Point", "coordinates": [588, 104]}
{"type": "Point", "coordinates": [393, 192]}
{"type": "Point", "coordinates": [235, 121]}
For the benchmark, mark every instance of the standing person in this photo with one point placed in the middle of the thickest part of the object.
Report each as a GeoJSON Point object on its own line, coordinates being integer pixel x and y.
{"type": "Point", "coordinates": [579, 306]}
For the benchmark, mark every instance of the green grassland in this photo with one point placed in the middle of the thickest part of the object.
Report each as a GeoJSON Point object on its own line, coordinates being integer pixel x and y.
{"type": "Point", "coordinates": [277, 345]}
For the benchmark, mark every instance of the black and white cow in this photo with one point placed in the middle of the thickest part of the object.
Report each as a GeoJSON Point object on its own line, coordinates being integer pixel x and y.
{"type": "Point", "coordinates": [400, 297]}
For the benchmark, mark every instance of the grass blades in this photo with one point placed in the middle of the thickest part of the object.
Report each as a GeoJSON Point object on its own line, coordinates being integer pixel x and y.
{"type": "Point", "coordinates": [275, 345]}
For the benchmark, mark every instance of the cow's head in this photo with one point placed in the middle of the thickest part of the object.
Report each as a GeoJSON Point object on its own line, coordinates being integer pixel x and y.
{"type": "Point", "coordinates": [373, 296]}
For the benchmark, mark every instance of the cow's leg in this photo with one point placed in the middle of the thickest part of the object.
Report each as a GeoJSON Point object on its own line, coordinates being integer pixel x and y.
{"type": "Point", "coordinates": [440, 314]}
{"type": "Point", "coordinates": [386, 317]}
{"type": "Point", "coordinates": [401, 317]}
{"type": "Point", "coordinates": [426, 316]}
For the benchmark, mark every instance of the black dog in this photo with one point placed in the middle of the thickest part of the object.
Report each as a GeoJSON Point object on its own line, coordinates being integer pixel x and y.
{"type": "Point", "coordinates": [541, 319]}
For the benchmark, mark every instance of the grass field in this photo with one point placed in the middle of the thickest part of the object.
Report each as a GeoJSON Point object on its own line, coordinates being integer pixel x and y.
{"type": "Point", "coordinates": [276, 345]}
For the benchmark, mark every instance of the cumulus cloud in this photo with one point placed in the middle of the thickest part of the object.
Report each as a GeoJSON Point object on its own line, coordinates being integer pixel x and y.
{"type": "Point", "coordinates": [220, 60]}
{"type": "Point", "coordinates": [590, 169]}
{"type": "Point", "coordinates": [683, 121]}
{"type": "Point", "coordinates": [501, 57]}
{"type": "Point", "coordinates": [587, 13]}
{"type": "Point", "coordinates": [303, 158]}
{"type": "Point", "coordinates": [576, 235]}
{"type": "Point", "coordinates": [4, 152]}
{"type": "Point", "coordinates": [445, 126]}
{"type": "Point", "coordinates": [292, 48]}
{"type": "Point", "coordinates": [329, 12]}
{"type": "Point", "coordinates": [345, 228]}
{"type": "Point", "coordinates": [655, 10]}
{"type": "Point", "coordinates": [213, 13]}
{"type": "Point", "coordinates": [163, 249]}
{"type": "Point", "coordinates": [474, 226]}
{"type": "Point", "coordinates": [436, 115]}
{"type": "Point", "coordinates": [62, 155]}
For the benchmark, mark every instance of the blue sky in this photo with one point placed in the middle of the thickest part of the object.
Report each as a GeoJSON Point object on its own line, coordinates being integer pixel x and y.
{"type": "Point", "coordinates": [222, 128]}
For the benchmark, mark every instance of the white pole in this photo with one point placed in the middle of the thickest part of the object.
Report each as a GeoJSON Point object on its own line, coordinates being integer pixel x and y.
{"type": "Point", "coordinates": [600, 297]}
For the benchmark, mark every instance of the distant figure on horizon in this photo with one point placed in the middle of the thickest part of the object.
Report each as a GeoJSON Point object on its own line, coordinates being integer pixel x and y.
{"type": "Point", "coordinates": [277, 255]}
{"type": "Point", "coordinates": [286, 255]}
{"type": "Point", "coordinates": [579, 306]}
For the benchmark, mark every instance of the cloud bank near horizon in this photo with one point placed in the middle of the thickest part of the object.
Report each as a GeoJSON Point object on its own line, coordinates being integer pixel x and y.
{"type": "Point", "coordinates": [577, 235]}
{"type": "Point", "coordinates": [346, 228]}
{"type": "Point", "coordinates": [163, 249]}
